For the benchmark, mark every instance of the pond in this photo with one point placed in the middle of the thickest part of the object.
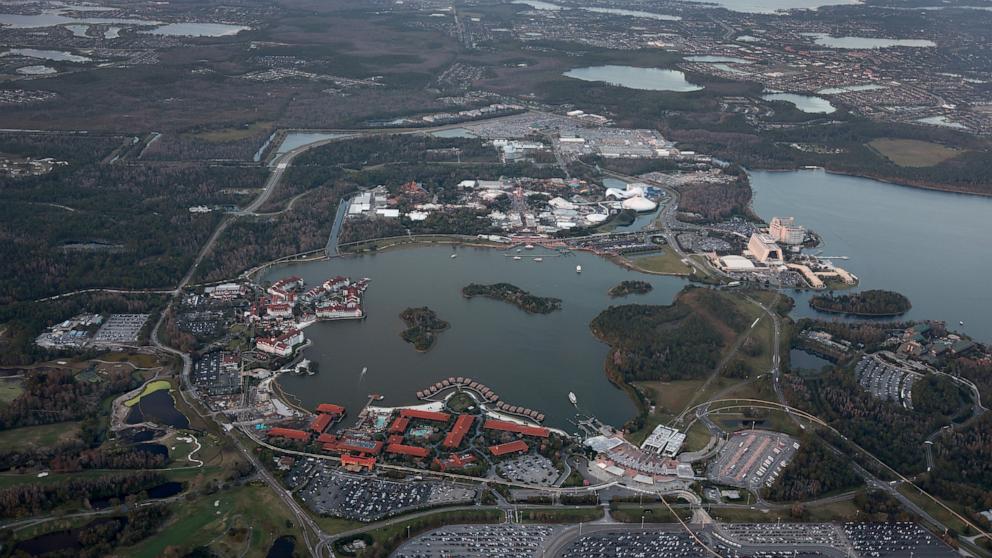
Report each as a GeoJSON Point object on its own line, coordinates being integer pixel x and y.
{"type": "Point", "coordinates": [801, 361]}
{"type": "Point", "coordinates": [646, 79]}
{"type": "Point", "coordinates": [157, 407]}
{"type": "Point", "coordinates": [805, 103]}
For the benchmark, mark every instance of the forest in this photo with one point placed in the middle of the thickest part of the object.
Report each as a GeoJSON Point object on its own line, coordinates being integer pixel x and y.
{"type": "Point", "coordinates": [680, 341]}
{"type": "Point", "coordinates": [35, 498]}
{"type": "Point", "coordinates": [872, 303]}
{"type": "Point", "coordinates": [886, 429]}
{"type": "Point", "coordinates": [625, 288]}
{"type": "Point", "coordinates": [814, 472]}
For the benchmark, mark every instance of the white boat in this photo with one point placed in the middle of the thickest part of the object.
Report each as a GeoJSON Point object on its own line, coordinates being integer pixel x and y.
{"type": "Point", "coordinates": [538, 259]}
{"type": "Point", "coordinates": [453, 256]}
{"type": "Point", "coordinates": [578, 269]}
{"type": "Point", "coordinates": [364, 370]}
{"type": "Point", "coordinates": [516, 257]}
{"type": "Point", "coordinates": [960, 323]}
{"type": "Point", "coordinates": [571, 397]}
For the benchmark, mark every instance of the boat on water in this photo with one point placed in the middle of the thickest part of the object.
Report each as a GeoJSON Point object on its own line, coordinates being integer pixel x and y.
{"type": "Point", "coordinates": [572, 399]}
{"type": "Point", "coordinates": [961, 323]}
{"type": "Point", "coordinates": [364, 370]}
{"type": "Point", "coordinates": [453, 256]}
{"type": "Point", "coordinates": [578, 269]}
{"type": "Point", "coordinates": [516, 257]}
{"type": "Point", "coordinates": [538, 259]}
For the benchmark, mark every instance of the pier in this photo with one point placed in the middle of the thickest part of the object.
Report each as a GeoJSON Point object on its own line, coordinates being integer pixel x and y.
{"type": "Point", "coordinates": [483, 392]}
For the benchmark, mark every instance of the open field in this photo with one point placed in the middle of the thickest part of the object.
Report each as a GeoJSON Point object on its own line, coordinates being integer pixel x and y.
{"type": "Point", "coordinates": [561, 515]}
{"type": "Point", "coordinates": [912, 153]}
{"type": "Point", "coordinates": [150, 388]}
{"type": "Point", "coordinates": [666, 263]}
{"type": "Point", "coordinates": [834, 511]}
{"type": "Point", "coordinates": [241, 521]}
{"type": "Point", "coordinates": [10, 389]}
{"type": "Point", "coordinates": [44, 435]}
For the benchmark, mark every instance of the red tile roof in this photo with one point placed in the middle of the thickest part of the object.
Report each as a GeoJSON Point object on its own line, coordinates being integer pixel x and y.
{"type": "Point", "coordinates": [412, 451]}
{"type": "Point", "coordinates": [399, 425]}
{"type": "Point", "coordinates": [512, 447]}
{"type": "Point", "coordinates": [330, 409]}
{"type": "Point", "coordinates": [321, 423]}
{"type": "Point", "coordinates": [462, 425]}
{"type": "Point", "coordinates": [289, 433]}
{"type": "Point", "coordinates": [425, 415]}
{"type": "Point", "coordinates": [507, 426]}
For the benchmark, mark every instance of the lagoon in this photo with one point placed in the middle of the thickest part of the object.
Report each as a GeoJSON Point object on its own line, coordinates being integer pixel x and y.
{"type": "Point", "coordinates": [529, 360]}
{"type": "Point", "coordinates": [860, 43]}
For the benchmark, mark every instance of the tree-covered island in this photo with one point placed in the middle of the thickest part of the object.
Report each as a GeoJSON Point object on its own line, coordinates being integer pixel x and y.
{"type": "Point", "coordinates": [866, 303]}
{"type": "Point", "coordinates": [630, 287]}
{"type": "Point", "coordinates": [514, 295]}
{"type": "Point", "coordinates": [422, 327]}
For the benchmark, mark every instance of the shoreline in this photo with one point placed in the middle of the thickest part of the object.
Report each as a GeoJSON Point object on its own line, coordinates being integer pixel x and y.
{"type": "Point", "coordinates": [879, 178]}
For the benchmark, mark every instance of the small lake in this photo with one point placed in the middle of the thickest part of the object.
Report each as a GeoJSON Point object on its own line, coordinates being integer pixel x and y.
{"type": "Point", "coordinates": [859, 43]}
{"type": "Point", "coordinates": [775, 6]}
{"type": "Point", "coordinates": [805, 103]}
{"type": "Point", "coordinates": [529, 360]}
{"type": "Point", "coordinates": [36, 70]}
{"type": "Point", "coordinates": [634, 13]}
{"type": "Point", "coordinates": [849, 89]}
{"type": "Point", "coordinates": [925, 244]}
{"type": "Point", "coordinates": [942, 121]}
{"type": "Point", "coordinates": [294, 140]}
{"type": "Point", "coordinates": [711, 58]}
{"type": "Point", "coordinates": [165, 490]}
{"type": "Point", "coordinates": [57, 55]}
{"type": "Point", "coordinates": [197, 30]}
{"type": "Point", "coordinates": [538, 5]}
{"type": "Point", "coordinates": [646, 79]}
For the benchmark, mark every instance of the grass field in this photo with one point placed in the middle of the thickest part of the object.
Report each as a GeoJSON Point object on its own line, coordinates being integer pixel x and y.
{"type": "Point", "coordinates": [10, 389]}
{"type": "Point", "coordinates": [233, 134]}
{"type": "Point", "coordinates": [834, 511]}
{"type": "Point", "coordinates": [666, 263]}
{"type": "Point", "coordinates": [561, 515]}
{"type": "Point", "coordinates": [37, 436]}
{"type": "Point", "coordinates": [912, 153]}
{"type": "Point", "coordinates": [242, 521]}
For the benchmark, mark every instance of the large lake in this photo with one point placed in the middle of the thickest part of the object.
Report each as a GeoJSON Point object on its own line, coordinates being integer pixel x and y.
{"type": "Point", "coordinates": [805, 103]}
{"type": "Point", "coordinates": [931, 246]}
{"type": "Point", "coordinates": [529, 360]}
{"type": "Point", "coordinates": [648, 79]}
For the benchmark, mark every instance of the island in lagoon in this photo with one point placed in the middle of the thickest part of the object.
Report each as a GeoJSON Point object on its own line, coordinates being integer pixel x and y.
{"type": "Point", "coordinates": [422, 327]}
{"type": "Point", "coordinates": [514, 295]}
{"type": "Point", "coordinates": [873, 303]}
{"type": "Point", "coordinates": [630, 287]}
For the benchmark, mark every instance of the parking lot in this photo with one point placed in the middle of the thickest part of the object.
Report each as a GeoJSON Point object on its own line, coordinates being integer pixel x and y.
{"type": "Point", "coordinates": [752, 459]}
{"type": "Point", "coordinates": [634, 544]}
{"type": "Point", "coordinates": [885, 381]}
{"type": "Point", "coordinates": [366, 498]}
{"type": "Point", "coordinates": [895, 539]}
{"type": "Point", "coordinates": [786, 534]}
{"type": "Point", "coordinates": [506, 540]}
{"type": "Point", "coordinates": [120, 328]}
{"type": "Point", "coordinates": [529, 469]}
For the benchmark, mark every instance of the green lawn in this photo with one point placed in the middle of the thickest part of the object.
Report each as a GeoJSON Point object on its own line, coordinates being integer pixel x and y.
{"type": "Point", "coordinates": [667, 263]}
{"type": "Point", "coordinates": [222, 521]}
{"type": "Point", "coordinates": [561, 515]}
{"type": "Point", "coordinates": [10, 390]}
{"type": "Point", "coordinates": [37, 436]}
{"type": "Point", "coordinates": [150, 387]}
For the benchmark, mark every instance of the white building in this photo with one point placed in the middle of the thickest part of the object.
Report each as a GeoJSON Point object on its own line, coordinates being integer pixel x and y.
{"type": "Point", "coordinates": [786, 231]}
{"type": "Point", "coordinates": [282, 345]}
{"type": "Point", "coordinates": [664, 440]}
